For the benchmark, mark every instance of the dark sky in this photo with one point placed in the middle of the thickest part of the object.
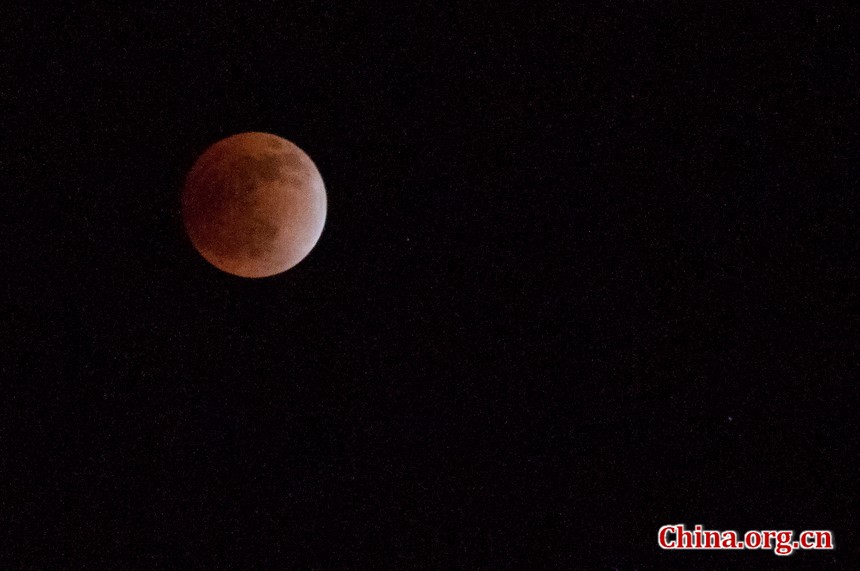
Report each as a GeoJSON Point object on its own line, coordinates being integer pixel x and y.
{"type": "Point", "coordinates": [585, 273]}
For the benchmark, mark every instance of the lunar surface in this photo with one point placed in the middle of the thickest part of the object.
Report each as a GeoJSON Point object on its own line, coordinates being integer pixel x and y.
{"type": "Point", "coordinates": [254, 205]}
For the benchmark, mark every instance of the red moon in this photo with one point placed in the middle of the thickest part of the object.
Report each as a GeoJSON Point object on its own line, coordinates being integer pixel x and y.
{"type": "Point", "coordinates": [254, 205]}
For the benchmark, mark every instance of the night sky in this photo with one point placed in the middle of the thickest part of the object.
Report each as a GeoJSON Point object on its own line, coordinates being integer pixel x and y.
{"type": "Point", "coordinates": [585, 273]}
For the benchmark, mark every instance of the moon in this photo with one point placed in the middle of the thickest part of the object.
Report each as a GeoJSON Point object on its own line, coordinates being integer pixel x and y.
{"type": "Point", "coordinates": [254, 205]}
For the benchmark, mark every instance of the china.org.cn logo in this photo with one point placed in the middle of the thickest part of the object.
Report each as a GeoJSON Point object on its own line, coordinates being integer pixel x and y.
{"type": "Point", "coordinates": [781, 542]}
